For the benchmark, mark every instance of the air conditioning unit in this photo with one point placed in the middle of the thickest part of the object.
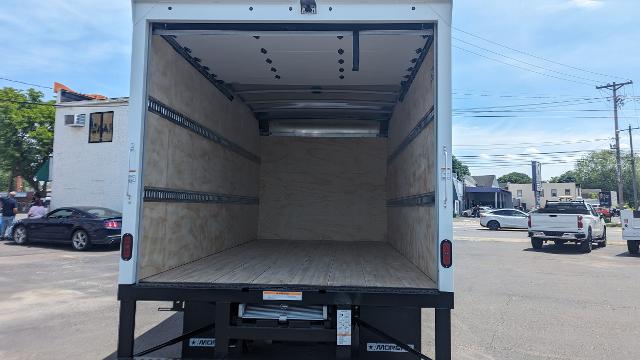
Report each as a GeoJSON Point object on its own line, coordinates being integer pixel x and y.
{"type": "Point", "coordinates": [77, 120]}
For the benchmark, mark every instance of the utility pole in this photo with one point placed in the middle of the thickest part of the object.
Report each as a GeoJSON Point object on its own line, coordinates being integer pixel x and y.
{"type": "Point", "coordinates": [615, 87]}
{"type": "Point", "coordinates": [633, 168]}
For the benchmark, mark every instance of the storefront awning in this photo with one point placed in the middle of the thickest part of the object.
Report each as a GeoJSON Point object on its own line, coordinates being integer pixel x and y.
{"type": "Point", "coordinates": [43, 172]}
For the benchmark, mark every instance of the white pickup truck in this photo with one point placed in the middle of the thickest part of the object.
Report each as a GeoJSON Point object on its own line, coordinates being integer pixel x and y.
{"type": "Point", "coordinates": [631, 230]}
{"type": "Point", "coordinates": [567, 221]}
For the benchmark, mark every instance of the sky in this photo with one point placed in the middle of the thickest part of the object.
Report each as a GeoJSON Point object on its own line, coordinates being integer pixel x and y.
{"type": "Point", "coordinates": [524, 72]}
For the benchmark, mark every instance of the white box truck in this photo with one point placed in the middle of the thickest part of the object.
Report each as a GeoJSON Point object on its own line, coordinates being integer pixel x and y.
{"type": "Point", "coordinates": [290, 174]}
{"type": "Point", "coordinates": [630, 220]}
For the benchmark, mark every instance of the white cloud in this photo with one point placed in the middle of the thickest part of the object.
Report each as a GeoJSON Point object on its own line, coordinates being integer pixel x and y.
{"type": "Point", "coordinates": [586, 3]}
{"type": "Point", "coordinates": [572, 4]}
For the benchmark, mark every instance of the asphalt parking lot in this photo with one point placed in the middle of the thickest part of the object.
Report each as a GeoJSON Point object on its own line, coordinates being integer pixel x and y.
{"type": "Point", "coordinates": [511, 302]}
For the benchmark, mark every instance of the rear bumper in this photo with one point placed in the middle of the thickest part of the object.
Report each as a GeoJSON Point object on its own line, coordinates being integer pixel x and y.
{"type": "Point", "coordinates": [311, 295]}
{"type": "Point", "coordinates": [108, 240]}
{"type": "Point", "coordinates": [554, 235]}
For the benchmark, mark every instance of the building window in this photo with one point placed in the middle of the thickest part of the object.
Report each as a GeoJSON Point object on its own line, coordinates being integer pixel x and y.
{"type": "Point", "coordinates": [567, 191]}
{"type": "Point", "coordinates": [554, 192]}
{"type": "Point", "coordinates": [101, 127]}
{"type": "Point", "coordinates": [519, 193]}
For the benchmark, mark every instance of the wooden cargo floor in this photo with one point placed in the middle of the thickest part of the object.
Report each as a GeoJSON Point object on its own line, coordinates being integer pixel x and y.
{"type": "Point", "coordinates": [315, 263]}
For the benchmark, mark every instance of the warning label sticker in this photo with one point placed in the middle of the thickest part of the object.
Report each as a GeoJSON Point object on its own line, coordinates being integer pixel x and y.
{"type": "Point", "coordinates": [202, 342]}
{"type": "Point", "coordinates": [343, 327]}
{"type": "Point", "coordinates": [282, 295]}
{"type": "Point", "coordinates": [383, 347]}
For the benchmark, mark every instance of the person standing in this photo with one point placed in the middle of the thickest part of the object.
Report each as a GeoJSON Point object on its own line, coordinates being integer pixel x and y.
{"type": "Point", "coordinates": [9, 211]}
{"type": "Point", "coordinates": [37, 211]}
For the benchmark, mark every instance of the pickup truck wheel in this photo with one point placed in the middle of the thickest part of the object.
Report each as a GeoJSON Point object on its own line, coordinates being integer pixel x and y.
{"type": "Point", "coordinates": [536, 243]}
{"type": "Point", "coordinates": [493, 225]}
{"type": "Point", "coordinates": [603, 240]}
{"type": "Point", "coordinates": [587, 244]}
{"type": "Point", "coordinates": [633, 246]}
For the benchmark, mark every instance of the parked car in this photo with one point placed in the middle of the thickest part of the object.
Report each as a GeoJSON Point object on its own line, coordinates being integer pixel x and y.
{"type": "Point", "coordinates": [483, 209]}
{"type": "Point", "coordinates": [504, 218]}
{"type": "Point", "coordinates": [81, 226]}
{"type": "Point", "coordinates": [567, 221]}
{"type": "Point", "coordinates": [606, 212]}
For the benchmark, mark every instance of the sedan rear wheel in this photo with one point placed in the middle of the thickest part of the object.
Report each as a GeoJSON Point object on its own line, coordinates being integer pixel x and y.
{"type": "Point", "coordinates": [80, 240]}
{"type": "Point", "coordinates": [493, 225]}
{"type": "Point", "coordinates": [20, 235]}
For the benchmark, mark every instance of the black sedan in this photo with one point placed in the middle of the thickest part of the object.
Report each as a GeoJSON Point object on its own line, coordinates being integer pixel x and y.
{"type": "Point", "coordinates": [82, 226]}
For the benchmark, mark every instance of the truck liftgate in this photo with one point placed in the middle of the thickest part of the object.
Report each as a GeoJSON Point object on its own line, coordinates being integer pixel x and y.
{"type": "Point", "coordinates": [221, 323]}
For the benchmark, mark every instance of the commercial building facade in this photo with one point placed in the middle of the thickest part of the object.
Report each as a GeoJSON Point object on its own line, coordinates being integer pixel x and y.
{"type": "Point", "coordinates": [524, 197]}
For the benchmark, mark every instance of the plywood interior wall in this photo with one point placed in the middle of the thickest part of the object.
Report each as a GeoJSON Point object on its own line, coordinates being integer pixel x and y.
{"type": "Point", "coordinates": [413, 229]}
{"type": "Point", "coordinates": [176, 158]}
{"type": "Point", "coordinates": [323, 189]}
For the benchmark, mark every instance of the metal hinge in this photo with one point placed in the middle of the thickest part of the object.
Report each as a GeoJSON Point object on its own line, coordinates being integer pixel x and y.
{"type": "Point", "coordinates": [307, 6]}
{"type": "Point", "coordinates": [445, 174]}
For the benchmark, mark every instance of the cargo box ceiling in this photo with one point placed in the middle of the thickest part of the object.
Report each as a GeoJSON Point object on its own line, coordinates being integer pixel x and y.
{"type": "Point", "coordinates": [321, 80]}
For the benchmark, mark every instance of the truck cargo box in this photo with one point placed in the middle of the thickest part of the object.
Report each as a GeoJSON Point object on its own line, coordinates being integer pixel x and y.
{"type": "Point", "coordinates": [289, 148]}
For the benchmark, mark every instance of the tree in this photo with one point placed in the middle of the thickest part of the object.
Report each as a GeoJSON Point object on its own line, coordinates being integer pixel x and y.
{"type": "Point", "coordinates": [515, 178]}
{"type": "Point", "coordinates": [459, 168]}
{"type": "Point", "coordinates": [566, 177]}
{"type": "Point", "coordinates": [26, 133]}
{"type": "Point", "coordinates": [597, 170]}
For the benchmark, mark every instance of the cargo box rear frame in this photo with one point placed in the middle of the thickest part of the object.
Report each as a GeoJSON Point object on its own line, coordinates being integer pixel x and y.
{"type": "Point", "coordinates": [168, 18]}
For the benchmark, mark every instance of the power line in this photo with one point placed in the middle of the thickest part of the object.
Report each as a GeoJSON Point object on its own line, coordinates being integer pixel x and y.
{"type": "Point", "coordinates": [532, 110]}
{"type": "Point", "coordinates": [526, 154]}
{"type": "Point", "coordinates": [25, 83]}
{"type": "Point", "coordinates": [533, 55]}
{"type": "Point", "coordinates": [569, 142]}
{"type": "Point", "coordinates": [522, 68]}
{"type": "Point", "coordinates": [565, 102]}
{"type": "Point", "coordinates": [523, 160]}
{"type": "Point", "coordinates": [539, 117]}
{"type": "Point", "coordinates": [502, 94]}
{"type": "Point", "coordinates": [524, 62]}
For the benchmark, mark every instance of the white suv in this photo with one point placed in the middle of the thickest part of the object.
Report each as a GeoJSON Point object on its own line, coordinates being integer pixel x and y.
{"type": "Point", "coordinates": [504, 218]}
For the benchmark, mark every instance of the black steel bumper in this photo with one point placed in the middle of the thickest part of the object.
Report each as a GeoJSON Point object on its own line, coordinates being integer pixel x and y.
{"type": "Point", "coordinates": [223, 296]}
{"type": "Point", "coordinates": [423, 298]}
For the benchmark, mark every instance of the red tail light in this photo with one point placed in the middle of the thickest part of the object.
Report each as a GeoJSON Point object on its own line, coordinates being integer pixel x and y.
{"type": "Point", "coordinates": [112, 224]}
{"type": "Point", "coordinates": [529, 222]}
{"type": "Point", "coordinates": [126, 247]}
{"type": "Point", "coordinates": [446, 253]}
{"type": "Point", "coordinates": [580, 223]}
